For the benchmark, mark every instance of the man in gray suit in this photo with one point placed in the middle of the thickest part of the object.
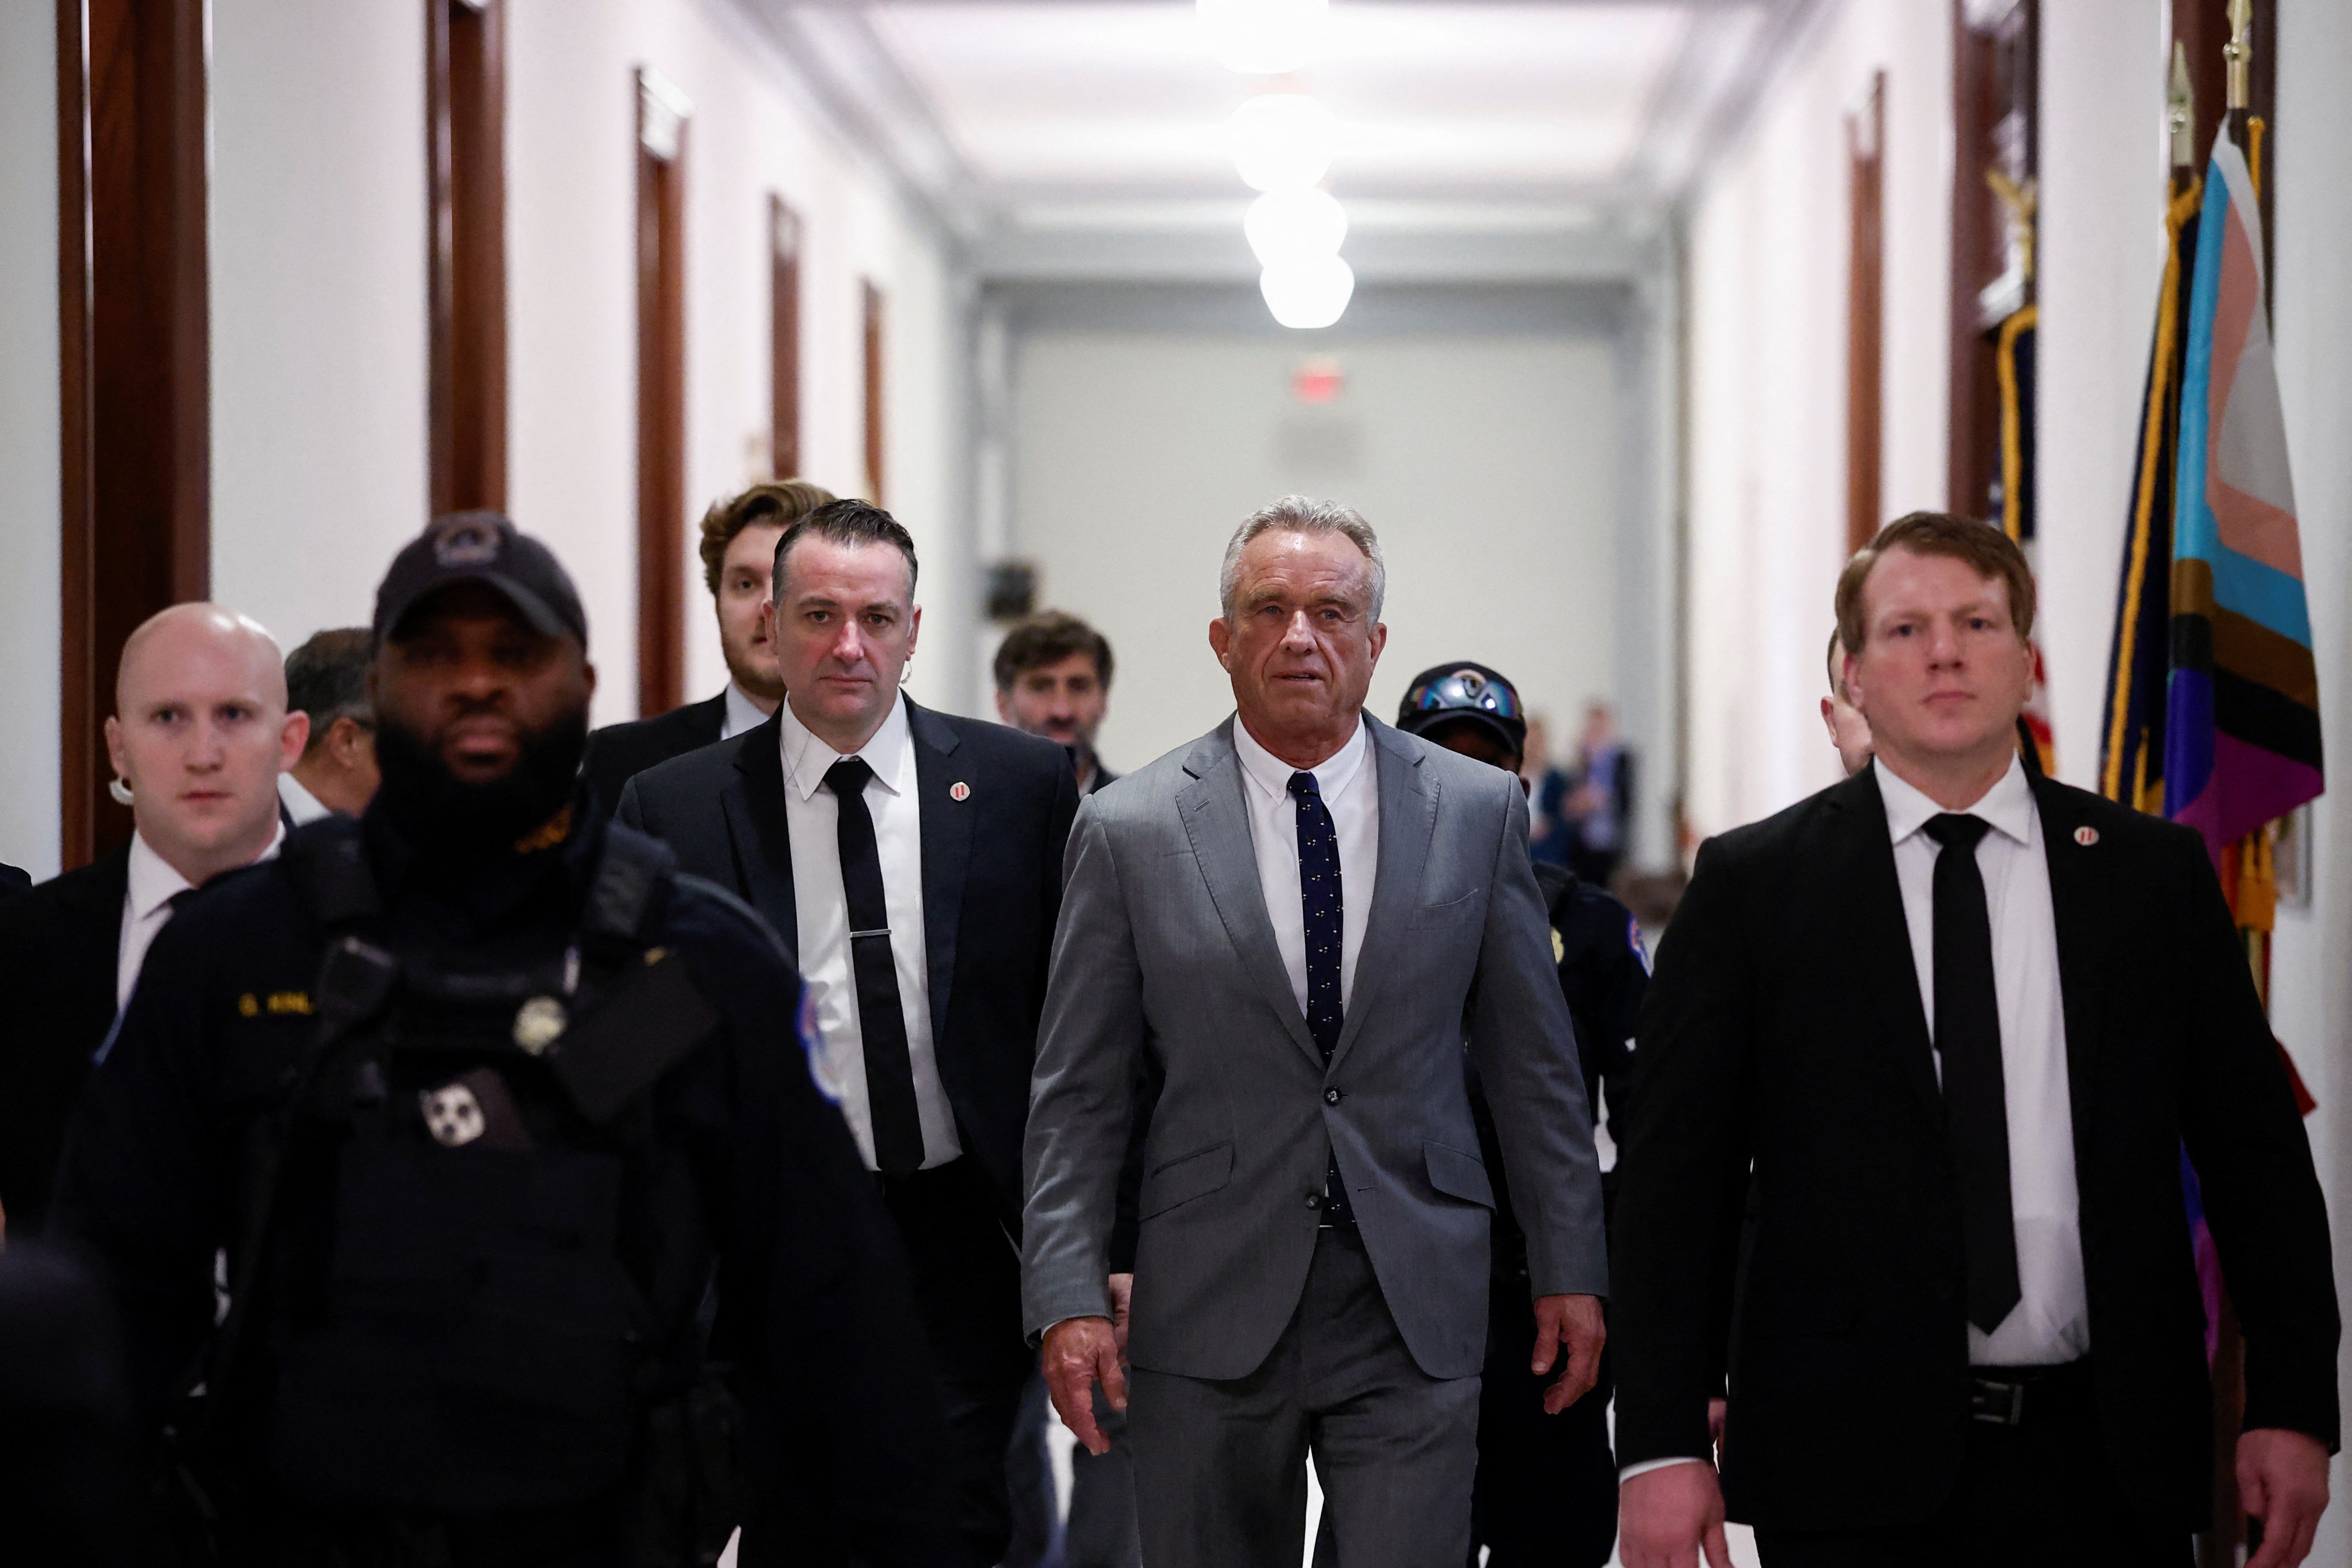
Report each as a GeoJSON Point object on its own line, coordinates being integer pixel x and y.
{"type": "Point", "coordinates": [1301, 918]}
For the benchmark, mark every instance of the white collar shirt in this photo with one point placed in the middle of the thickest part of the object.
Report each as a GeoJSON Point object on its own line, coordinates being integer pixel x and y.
{"type": "Point", "coordinates": [299, 803]}
{"type": "Point", "coordinates": [821, 908]}
{"type": "Point", "coordinates": [2051, 1323]}
{"type": "Point", "coordinates": [1349, 782]}
{"type": "Point", "coordinates": [741, 713]}
{"type": "Point", "coordinates": [147, 906]}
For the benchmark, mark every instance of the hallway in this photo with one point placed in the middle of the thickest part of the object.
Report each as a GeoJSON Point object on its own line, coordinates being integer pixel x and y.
{"type": "Point", "coordinates": [1623, 322]}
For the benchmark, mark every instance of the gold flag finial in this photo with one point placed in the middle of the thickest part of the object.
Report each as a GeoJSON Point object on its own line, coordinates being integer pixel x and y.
{"type": "Point", "coordinates": [2180, 109]}
{"type": "Point", "coordinates": [2240, 52]}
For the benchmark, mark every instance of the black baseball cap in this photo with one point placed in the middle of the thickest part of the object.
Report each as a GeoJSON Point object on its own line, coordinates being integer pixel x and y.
{"type": "Point", "coordinates": [1463, 692]}
{"type": "Point", "coordinates": [482, 547]}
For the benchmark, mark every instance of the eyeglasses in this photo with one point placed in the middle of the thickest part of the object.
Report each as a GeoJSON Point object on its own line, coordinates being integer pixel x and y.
{"type": "Point", "coordinates": [1465, 690]}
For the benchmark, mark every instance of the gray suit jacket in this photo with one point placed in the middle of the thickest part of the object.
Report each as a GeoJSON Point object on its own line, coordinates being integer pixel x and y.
{"type": "Point", "coordinates": [1164, 945]}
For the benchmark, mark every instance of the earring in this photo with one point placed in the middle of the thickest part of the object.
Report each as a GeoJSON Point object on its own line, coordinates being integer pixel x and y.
{"type": "Point", "coordinates": [118, 790]}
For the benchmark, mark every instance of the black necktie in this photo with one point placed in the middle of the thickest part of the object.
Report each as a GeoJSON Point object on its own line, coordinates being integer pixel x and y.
{"type": "Point", "coordinates": [890, 1073]}
{"type": "Point", "coordinates": [1967, 1036]}
{"type": "Point", "coordinates": [1322, 902]}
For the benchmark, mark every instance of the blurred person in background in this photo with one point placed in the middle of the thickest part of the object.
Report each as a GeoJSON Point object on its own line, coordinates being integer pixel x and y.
{"type": "Point", "coordinates": [200, 735]}
{"type": "Point", "coordinates": [1849, 731]}
{"type": "Point", "coordinates": [912, 863]}
{"type": "Point", "coordinates": [549, 1093]}
{"type": "Point", "coordinates": [1548, 786]}
{"type": "Point", "coordinates": [1600, 804]}
{"type": "Point", "coordinates": [326, 677]}
{"type": "Point", "coordinates": [1546, 1492]}
{"type": "Point", "coordinates": [739, 550]}
{"type": "Point", "coordinates": [1052, 679]}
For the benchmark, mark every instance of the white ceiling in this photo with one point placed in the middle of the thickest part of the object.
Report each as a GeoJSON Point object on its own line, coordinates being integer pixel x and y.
{"type": "Point", "coordinates": [1081, 129]}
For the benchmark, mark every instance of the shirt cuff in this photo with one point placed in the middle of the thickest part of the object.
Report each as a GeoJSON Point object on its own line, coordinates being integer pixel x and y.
{"type": "Point", "coordinates": [1646, 1466]}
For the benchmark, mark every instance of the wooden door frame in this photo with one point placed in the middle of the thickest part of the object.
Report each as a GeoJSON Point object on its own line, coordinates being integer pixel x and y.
{"type": "Point", "coordinates": [786, 236]}
{"type": "Point", "coordinates": [466, 266]}
{"type": "Point", "coordinates": [873, 307]}
{"type": "Point", "coordinates": [1865, 145]}
{"type": "Point", "coordinates": [662, 116]}
{"type": "Point", "coordinates": [134, 371]}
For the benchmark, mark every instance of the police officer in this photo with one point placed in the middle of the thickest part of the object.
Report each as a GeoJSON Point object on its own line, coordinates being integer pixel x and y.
{"type": "Point", "coordinates": [486, 1106]}
{"type": "Point", "coordinates": [1547, 1487]}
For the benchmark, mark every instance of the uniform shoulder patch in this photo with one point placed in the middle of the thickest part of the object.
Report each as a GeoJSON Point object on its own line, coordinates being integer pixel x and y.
{"type": "Point", "coordinates": [1634, 940]}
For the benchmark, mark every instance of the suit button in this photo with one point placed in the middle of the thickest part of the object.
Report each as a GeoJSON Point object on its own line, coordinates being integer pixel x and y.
{"type": "Point", "coordinates": [1315, 1199]}
{"type": "Point", "coordinates": [1330, 1097]}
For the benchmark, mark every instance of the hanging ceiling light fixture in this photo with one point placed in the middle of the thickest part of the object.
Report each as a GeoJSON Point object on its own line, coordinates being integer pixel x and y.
{"type": "Point", "coordinates": [1264, 38]}
{"type": "Point", "coordinates": [1309, 293]}
{"type": "Point", "coordinates": [1295, 225]}
{"type": "Point", "coordinates": [1282, 140]}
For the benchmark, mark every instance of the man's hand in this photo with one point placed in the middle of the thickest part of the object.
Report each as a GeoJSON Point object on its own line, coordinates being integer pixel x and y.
{"type": "Point", "coordinates": [2283, 1479]}
{"type": "Point", "coordinates": [1074, 1353]}
{"type": "Point", "coordinates": [1122, 1297]}
{"type": "Point", "coordinates": [1665, 1516]}
{"type": "Point", "coordinates": [1573, 1322]}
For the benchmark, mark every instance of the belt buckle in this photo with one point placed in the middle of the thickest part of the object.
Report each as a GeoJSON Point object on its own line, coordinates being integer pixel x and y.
{"type": "Point", "coordinates": [2000, 1404]}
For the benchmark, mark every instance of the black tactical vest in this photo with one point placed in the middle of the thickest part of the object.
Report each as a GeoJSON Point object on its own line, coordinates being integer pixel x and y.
{"type": "Point", "coordinates": [450, 1319]}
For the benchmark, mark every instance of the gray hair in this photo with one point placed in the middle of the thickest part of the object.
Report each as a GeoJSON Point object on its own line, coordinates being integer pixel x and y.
{"type": "Point", "coordinates": [1298, 514]}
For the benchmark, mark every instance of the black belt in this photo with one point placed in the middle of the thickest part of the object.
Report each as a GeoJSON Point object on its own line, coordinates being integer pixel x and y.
{"type": "Point", "coordinates": [2016, 1396]}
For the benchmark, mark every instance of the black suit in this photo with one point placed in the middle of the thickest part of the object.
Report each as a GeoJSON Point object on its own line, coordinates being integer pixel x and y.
{"type": "Point", "coordinates": [59, 945]}
{"type": "Point", "coordinates": [619, 752]}
{"type": "Point", "coordinates": [992, 890]}
{"type": "Point", "coordinates": [1784, 1025]}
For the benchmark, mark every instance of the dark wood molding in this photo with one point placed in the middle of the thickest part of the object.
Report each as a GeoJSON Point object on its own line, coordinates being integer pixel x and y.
{"type": "Point", "coordinates": [1995, 124]}
{"type": "Point", "coordinates": [661, 395]}
{"type": "Point", "coordinates": [877, 446]}
{"type": "Point", "coordinates": [134, 375]}
{"type": "Point", "coordinates": [465, 263]}
{"type": "Point", "coordinates": [784, 339]}
{"type": "Point", "coordinates": [1865, 145]}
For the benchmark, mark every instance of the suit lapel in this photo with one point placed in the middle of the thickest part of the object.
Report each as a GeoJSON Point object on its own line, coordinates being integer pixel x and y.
{"type": "Point", "coordinates": [2075, 899]}
{"type": "Point", "coordinates": [947, 853]}
{"type": "Point", "coordinates": [1879, 935]}
{"type": "Point", "coordinates": [1407, 822]}
{"type": "Point", "coordinates": [761, 833]}
{"type": "Point", "coordinates": [1216, 821]}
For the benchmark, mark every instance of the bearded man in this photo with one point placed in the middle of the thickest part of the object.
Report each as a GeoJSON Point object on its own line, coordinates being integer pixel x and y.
{"type": "Point", "coordinates": [483, 1102]}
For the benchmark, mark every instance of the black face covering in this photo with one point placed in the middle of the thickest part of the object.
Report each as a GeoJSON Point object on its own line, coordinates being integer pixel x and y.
{"type": "Point", "coordinates": [440, 814]}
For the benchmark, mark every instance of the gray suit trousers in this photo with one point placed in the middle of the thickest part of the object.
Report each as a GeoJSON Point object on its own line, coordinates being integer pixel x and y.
{"type": "Point", "coordinates": [1219, 1464]}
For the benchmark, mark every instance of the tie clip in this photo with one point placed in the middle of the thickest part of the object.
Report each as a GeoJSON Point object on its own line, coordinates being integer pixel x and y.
{"type": "Point", "coordinates": [883, 930]}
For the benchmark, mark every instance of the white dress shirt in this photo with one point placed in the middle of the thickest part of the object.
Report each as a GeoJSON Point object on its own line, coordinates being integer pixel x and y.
{"type": "Point", "coordinates": [299, 803]}
{"type": "Point", "coordinates": [147, 908]}
{"type": "Point", "coordinates": [1351, 794]}
{"type": "Point", "coordinates": [741, 714]}
{"type": "Point", "coordinates": [2052, 1320]}
{"type": "Point", "coordinates": [822, 910]}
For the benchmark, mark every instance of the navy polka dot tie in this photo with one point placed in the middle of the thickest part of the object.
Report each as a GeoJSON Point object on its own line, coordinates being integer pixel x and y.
{"type": "Point", "coordinates": [1322, 902]}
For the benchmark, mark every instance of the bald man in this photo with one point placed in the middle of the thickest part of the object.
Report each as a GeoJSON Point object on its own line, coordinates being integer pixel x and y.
{"type": "Point", "coordinates": [199, 735]}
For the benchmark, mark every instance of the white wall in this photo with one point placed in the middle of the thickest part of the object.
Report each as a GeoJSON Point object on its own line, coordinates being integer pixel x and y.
{"type": "Point", "coordinates": [572, 189]}
{"type": "Point", "coordinates": [318, 305]}
{"type": "Point", "coordinates": [2311, 1005]}
{"type": "Point", "coordinates": [317, 302]}
{"type": "Point", "coordinates": [28, 438]}
{"type": "Point", "coordinates": [1486, 464]}
{"type": "Point", "coordinates": [1767, 438]}
{"type": "Point", "coordinates": [2104, 162]}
